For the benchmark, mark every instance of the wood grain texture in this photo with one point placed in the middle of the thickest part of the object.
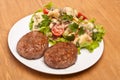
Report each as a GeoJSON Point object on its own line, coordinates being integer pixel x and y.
{"type": "Point", "coordinates": [107, 12]}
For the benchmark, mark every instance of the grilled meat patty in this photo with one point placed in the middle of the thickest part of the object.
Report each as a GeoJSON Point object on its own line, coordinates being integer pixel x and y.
{"type": "Point", "coordinates": [61, 55]}
{"type": "Point", "coordinates": [32, 45]}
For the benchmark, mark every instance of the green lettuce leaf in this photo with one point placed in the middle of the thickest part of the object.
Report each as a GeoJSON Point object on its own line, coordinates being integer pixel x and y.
{"type": "Point", "coordinates": [92, 46]}
{"type": "Point", "coordinates": [45, 30]}
{"type": "Point", "coordinates": [31, 23]}
{"type": "Point", "coordinates": [53, 42]}
{"type": "Point", "coordinates": [98, 36]}
{"type": "Point", "coordinates": [89, 46]}
{"type": "Point", "coordinates": [92, 20]}
{"type": "Point", "coordinates": [39, 10]}
{"type": "Point", "coordinates": [49, 5]}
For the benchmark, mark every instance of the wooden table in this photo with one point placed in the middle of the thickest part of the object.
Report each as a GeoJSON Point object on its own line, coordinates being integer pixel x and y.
{"type": "Point", "coordinates": [107, 12]}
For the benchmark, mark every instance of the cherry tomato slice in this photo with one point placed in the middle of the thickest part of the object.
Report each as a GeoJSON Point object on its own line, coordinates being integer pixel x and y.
{"type": "Point", "coordinates": [57, 30]}
{"type": "Point", "coordinates": [79, 15]}
{"type": "Point", "coordinates": [45, 11]}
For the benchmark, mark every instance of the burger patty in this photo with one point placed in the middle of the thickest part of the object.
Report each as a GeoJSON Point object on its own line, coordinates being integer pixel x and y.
{"type": "Point", "coordinates": [32, 45]}
{"type": "Point", "coordinates": [61, 55]}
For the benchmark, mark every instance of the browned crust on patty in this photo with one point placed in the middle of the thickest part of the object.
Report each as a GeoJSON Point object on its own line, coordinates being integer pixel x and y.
{"type": "Point", "coordinates": [32, 45]}
{"type": "Point", "coordinates": [61, 55]}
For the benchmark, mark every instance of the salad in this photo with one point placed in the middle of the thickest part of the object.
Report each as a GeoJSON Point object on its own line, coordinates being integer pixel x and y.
{"type": "Point", "coordinates": [67, 25]}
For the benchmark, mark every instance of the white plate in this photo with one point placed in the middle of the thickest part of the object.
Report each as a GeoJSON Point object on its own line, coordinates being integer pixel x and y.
{"type": "Point", "coordinates": [84, 60]}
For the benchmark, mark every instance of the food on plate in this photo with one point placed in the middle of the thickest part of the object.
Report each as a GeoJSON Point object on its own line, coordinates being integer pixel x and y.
{"type": "Point", "coordinates": [67, 25]}
{"type": "Point", "coordinates": [32, 45]}
{"type": "Point", "coordinates": [61, 55]}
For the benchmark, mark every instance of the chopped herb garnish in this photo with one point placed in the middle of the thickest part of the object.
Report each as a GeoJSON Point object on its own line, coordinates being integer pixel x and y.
{"type": "Point", "coordinates": [66, 17]}
{"type": "Point", "coordinates": [45, 17]}
{"type": "Point", "coordinates": [81, 31]}
{"type": "Point", "coordinates": [70, 38]}
{"type": "Point", "coordinates": [44, 23]}
{"type": "Point", "coordinates": [73, 27]}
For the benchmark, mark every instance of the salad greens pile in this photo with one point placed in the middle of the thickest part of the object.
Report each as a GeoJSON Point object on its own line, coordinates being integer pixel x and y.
{"type": "Point", "coordinates": [67, 25]}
